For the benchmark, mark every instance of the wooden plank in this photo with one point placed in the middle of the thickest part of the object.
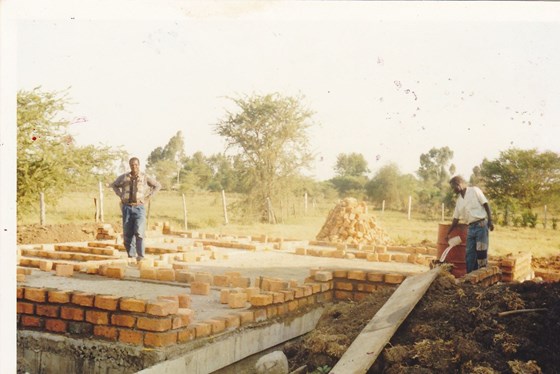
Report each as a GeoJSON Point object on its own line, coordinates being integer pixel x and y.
{"type": "Point", "coordinates": [364, 350]}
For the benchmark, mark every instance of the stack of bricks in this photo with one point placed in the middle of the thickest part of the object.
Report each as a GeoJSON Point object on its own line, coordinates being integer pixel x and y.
{"type": "Point", "coordinates": [485, 276]}
{"type": "Point", "coordinates": [516, 267]}
{"type": "Point", "coordinates": [105, 231]}
{"type": "Point", "coordinates": [349, 223]}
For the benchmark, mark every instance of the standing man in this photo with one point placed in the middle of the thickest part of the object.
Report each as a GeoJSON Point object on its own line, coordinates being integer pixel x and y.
{"type": "Point", "coordinates": [135, 190]}
{"type": "Point", "coordinates": [472, 208]}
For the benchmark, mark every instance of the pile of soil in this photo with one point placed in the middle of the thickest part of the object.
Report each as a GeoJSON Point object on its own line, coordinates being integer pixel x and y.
{"type": "Point", "coordinates": [71, 232]}
{"type": "Point", "coordinates": [455, 328]}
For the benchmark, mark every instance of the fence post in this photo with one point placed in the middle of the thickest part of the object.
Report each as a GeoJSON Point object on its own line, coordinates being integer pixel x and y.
{"type": "Point", "coordinates": [185, 212]}
{"type": "Point", "coordinates": [101, 201]}
{"type": "Point", "coordinates": [305, 203]}
{"type": "Point", "coordinates": [409, 206]}
{"type": "Point", "coordinates": [545, 216]}
{"type": "Point", "coordinates": [224, 204]}
{"type": "Point", "coordinates": [96, 209]}
{"type": "Point", "coordinates": [42, 208]}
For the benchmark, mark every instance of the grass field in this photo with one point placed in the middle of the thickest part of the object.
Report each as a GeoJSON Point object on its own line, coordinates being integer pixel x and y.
{"type": "Point", "coordinates": [205, 213]}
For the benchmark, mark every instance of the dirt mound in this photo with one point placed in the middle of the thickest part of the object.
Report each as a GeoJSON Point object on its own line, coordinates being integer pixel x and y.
{"type": "Point", "coordinates": [348, 222]}
{"type": "Point", "coordinates": [71, 232]}
{"type": "Point", "coordinates": [455, 328]}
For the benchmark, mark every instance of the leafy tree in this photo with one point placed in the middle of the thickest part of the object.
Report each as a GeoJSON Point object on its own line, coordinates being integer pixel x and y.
{"type": "Point", "coordinates": [165, 163]}
{"type": "Point", "coordinates": [269, 137]}
{"type": "Point", "coordinates": [351, 165]}
{"type": "Point", "coordinates": [48, 160]}
{"type": "Point", "coordinates": [350, 186]}
{"type": "Point", "coordinates": [434, 172]}
{"type": "Point", "coordinates": [390, 185]}
{"type": "Point", "coordinates": [198, 171]}
{"type": "Point", "coordinates": [523, 176]}
{"type": "Point", "coordinates": [224, 176]}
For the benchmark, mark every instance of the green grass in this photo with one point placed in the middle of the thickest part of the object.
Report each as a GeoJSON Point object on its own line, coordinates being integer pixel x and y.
{"type": "Point", "coordinates": [205, 213]}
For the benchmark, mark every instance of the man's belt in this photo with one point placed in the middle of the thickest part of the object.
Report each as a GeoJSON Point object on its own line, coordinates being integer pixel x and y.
{"type": "Point", "coordinates": [477, 221]}
{"type": "Point", "coordinates": [134, 204]}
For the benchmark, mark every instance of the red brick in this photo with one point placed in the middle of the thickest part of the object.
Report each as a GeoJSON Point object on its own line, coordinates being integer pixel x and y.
{"type": "Point", "coordinates": [221, 280]}
{"type": "Point", "coordinates": [154, 324]}
{"type": "Point", "coordinates": [97, 318]}
{"type": "Point", "coordinates": [271, 311]}
{"type": "Point", "coordinates": [115, 272]}
{"type": "Point", "coordinates": [25, 308]}
{"type": "Point", "coordinates": [261, 300]}
{"type": "Point", "coordinates": [47, 310]}
{"type": "Point", "coordinates": [161, 339]}
{"type": "Point", "coordinates": [357, 275]}
{"type": "Point", "coordinates": [200, 288]}
{"type": "Point", "coordinates": [187, 334]}
{"type": "Point", "coordinates": [394, 278]}
{"type": "Point", "coordinates": [60, 297]}
{"type": "Point", "coordinates": [292, 305]}
{"type": "Point", "coordinates": [56, 325]}
{"type": "Point", "coordinates": [133, 305]}
{"type": "Point", "coordinates": [106, 332]}
{"type": "Point", "coordinates": [237, 300]}
{"type": "Point", "coordinates": [83, 299]}
{"type": "Point", "coordinates": [36, 294]}
{"type": "Point", "coordinates": [124, 320]}
{"type": "Point", "coordinates": [20, 292]}
{"type": "Point", "coordinates": [246, 317]}
{"type": "Point", "coordinates": [217, 324]}
{"type": "Point", "coordinates": [202, 329]}
{"type": "Point", "coordinates": [183, 318]}
{"type": "Point", "coordinates": [346, 286]}
{"type": "Point", "coordinates": [131, 336]}
{"type": "Point", "coordinates": [184, 301]}
{"type": "Point", "coordinates": [375, 277]}
{"type": "Point", "coordinates": [162, 308]}
{"type": "Point", "coordinates": [233, 321]}
{"type": "Point", "coordinates": [107, 302]}
{"type": "Point", "coordinates": [163, 274]}
{"type": "Point", "coordinates": [259, 314]}
{"type": "Point", "coordinates": [75, 314]}
{"type": "Point", "coordinates": [31, 321]}
{"type": "Point", "coordinates": [64, 270]}
{"type": "Point", "coordinates": [149, 273]}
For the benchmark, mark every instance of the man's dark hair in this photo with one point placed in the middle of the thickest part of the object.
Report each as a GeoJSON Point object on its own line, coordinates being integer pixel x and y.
{"type": "Point", "coordinates": [457, 179]}
{"type": "Point", "coordinates": [132, 159]}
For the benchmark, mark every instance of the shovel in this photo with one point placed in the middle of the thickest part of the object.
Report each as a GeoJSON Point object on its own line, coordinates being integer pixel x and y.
{"type": "Point", "coordinates": [454, 241]}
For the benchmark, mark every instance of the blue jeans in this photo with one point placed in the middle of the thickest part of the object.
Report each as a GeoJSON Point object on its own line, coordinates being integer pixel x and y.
{"type": "Point", "coordinates": [476, 255]}
{"type": "Point", "coordinates": [134, 227]}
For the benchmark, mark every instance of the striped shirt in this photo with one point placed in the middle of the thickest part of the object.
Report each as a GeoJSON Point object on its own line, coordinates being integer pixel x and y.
{"type": "Point", "coordinates": [135, 190]}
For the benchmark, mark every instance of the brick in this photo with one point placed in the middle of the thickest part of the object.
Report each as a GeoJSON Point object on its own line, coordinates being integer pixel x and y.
{"type": "Point", "coordinates": [250, 291]}
{"type": "Point", "coordinates": [184, 276]}
{"type": "Point", "coordinates": [203, 277]}
{"type": "Point", "coordinates": [115, 272]}
{"type": "Point", "coordinates": [80, 328]}
{"type": "Point", "coordinates": [154, 324]}
{"type": "Point", "coordinates": [131, 336]}
{"type": "Point", "coordinates": [186, 335]}
{"type": "Point", "coordinates": [174, 298]}
{"type": "Point", "coordinates": [292, 305]}
{"type": "Point", "coordinates": [133, 305]}
{"type": "Point", "coordinates": [278, 297]}
{"type": "Point", "coordinates": [149, 273]}
{"type": "Point", "coordinates": [301, 251]}
{"type": "Point", "coordinates": [97, 317]}
{"type": "Point", "coordinates": [246, 317]}
{"type": "Point", "coordinates": [25, 308]}
{"type": "Point", "coordinates": [340, 273]}
{"type": "Point", "coordinates": [202, 329]}
{"type": "Point", "coordinates": [59, 297]}
{"type": "Point", "coordinates": [167, 275]}
{"type": "Point", "coordinates": [106, 302]}
{"type": "Point", "coordinates": [106, 332]}
{"type": "Point", "coordinates": [182, 318]}
{"type": "Point", "coordinates": [323, 276]}
{"type": "Point", "coordinates": [56, 325]}
{"type": "Point", "coordinates": [47, 310]}
{"type": "Point", "coordinates": [162, 308]}
{"type": "Point", "coordinates": [357, 275]}
{"type": "Point", "coordinates": [302, 302]}
{"type": "Point", "coordinates": [271, 311]}
{"type": "Point", "coordinates": [261, 300]}
{"type": "Point", "coordinates": [241, 282]}
{"type": "Point", "coordinates": [224, 296]}
{"type": "Point", "coordinates": [45, 265]}
{"type": "Point", "coordinates": [372, 257]}
{"type": "Point", "coordinates": [221, 280]}
{"type": "Point", "coordinates": [162, 339]}
{"type": "Point", "coordinates": [237, 300]}
{"type": "Point", "coordinates": [199, 288]}
{"type": "Point", "coordinates": [36, 294]}
{"type": "Point", "coordinates": [20, 292]}
{"type": "Point", "coordinates": [123, 320]}
{"type": "Point", "coordinates": [71, 313]}
{"type": "Point", "coordinates": [260, 314]}
{"type": "Point", "coordinates": [391, 278]}
{"type": "Point", "coordinates": [83, 299]}
{"type": "Point", "coordinates": [233, 321]}
{"type": "Point", "coordinates": [64, 270]}
{"type": "Point", "coordinates": [343, 295]}
{"type": "Point", "coordinates": [346, 286]}
{"type": "Point", "coordinates": [276, 285]}
{"type": "Point", "coordinates": [31, 321]}
{"type": "Point", "coordinates": [400, 257]}
{"type": "Point", "coordinates": [384, 257]}
{"type": "Point", "coordinates": [184, 301]}
{"type": "Point", "coordinates": [288, 294]}
{"type": "Point", "coordinates": [217, 325]}
{"type": "Point", "coordinates": [375, 277]}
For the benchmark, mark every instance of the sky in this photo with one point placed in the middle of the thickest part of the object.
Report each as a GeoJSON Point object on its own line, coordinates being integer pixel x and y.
{"type": "Point", "coordinates": [388, 80]}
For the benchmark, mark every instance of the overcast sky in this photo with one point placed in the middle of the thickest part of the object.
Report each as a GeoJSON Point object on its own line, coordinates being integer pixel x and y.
{"type": "Point", "coordinates": [388, 80]}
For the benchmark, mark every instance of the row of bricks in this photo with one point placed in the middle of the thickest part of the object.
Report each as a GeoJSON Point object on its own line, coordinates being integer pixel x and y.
{"type": "Point", "coordinates": [377, 248]}
{"type": "Point", "coordinates": [372, 257]}
{"type": "Point", "coordinates": [164, 306]}
{"type": "Point", "coordinates": [63, 255]}
{"type": "Point", "coordinates": [323, 275]}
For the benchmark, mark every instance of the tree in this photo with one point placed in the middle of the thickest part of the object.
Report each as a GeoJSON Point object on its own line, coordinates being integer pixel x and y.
{"type": "Point", "coordinates": [48, 160]}
{"type": "Point", "coordinates": [434, 172]}
{"type": "Point", "coordinates": [269, 137]}
{"type": "Point", "coordinates": [351, 165]}
{"type": "Point", "coordinates": [391, 186]}
{"type": "Point", "coordinates": [526, 177]}
{"type": "Point", "coordinates": [166, 163]}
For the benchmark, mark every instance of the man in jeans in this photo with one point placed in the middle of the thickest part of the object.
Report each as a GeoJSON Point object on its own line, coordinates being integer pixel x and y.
{"type": "Point", "coordinates": [135, 190]}
{"type": "Point", "coordinates": [472, 208]}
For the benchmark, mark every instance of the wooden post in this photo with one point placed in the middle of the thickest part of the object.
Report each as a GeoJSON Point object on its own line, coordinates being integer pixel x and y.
{"type": "Point", "coordinates": [409, 206]}
{"type": "Point", "coordinates": [101, 201]}
{"type": "Point", "coordinates": [185, 213]}
{"type": "Point", "coordinates": [224, 204]}
{"type": "Point", "coordinates": [42, 208]}
{"type": "Point", "coordinates": [305, 203]}
{"type": "Point", "coordinates": [544, 217]}
{"type": "Point", "coordinates": [442, 212]}
{"type": "Point", "coordinates": [383, 207]}
{"type": "Point", "coordinates": [96, 209]}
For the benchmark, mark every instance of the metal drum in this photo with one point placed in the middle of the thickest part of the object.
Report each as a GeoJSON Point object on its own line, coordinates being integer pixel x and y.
{"type": "Point", "coordinates": [456, 255]}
